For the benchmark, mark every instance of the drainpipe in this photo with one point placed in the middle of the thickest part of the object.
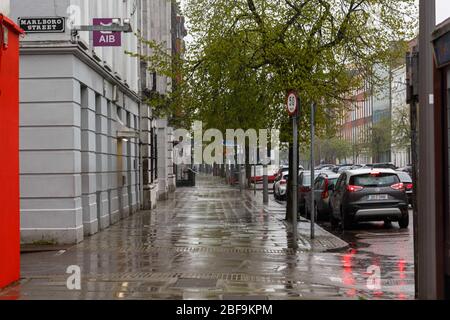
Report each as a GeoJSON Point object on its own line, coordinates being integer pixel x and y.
{"type": "Point", "coordinates": [140, 105]}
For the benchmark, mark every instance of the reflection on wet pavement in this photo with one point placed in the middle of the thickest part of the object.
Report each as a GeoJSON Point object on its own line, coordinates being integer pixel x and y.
{"type": "Point", "coordinates": [211, 242]}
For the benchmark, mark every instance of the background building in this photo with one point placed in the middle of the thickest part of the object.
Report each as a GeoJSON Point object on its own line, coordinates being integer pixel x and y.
{"type": "Point", "coordinates": [81, 117]}
{"type": "Point", "coordinates": [356, 124]}
{"type": "Point", "coordinates": [382, 110]}
{"type": "Point", "coordinates": [376, 122]}
{"type": "Point", "coordinates": [400, 115]}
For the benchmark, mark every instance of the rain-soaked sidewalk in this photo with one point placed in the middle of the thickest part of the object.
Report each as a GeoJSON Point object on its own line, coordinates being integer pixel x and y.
{"type": "Point", "coordinates": [211, 242]}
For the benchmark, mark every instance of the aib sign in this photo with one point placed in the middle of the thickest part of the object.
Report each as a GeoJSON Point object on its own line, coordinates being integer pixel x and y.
{"type": "Point", "coordinates": [106, 38]}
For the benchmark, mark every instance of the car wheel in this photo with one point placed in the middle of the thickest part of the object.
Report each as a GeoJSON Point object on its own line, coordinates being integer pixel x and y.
{"type": "Point", "coordinates": [308, 213]}
{"type": "Point", "coordinates": [302, 209]}
{"type": "Point", "coordinates": [318, 215]}
{"type": "Point", "coordinates": [345, 221]}
{"type": "Point", "coordinates": [404, 221]}
{"type": "Point", "coordinates": [334, 222]}
{"type": "Point", "coordinates": [387, 223]}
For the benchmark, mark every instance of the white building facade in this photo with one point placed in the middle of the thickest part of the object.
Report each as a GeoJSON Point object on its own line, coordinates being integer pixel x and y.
{"type": "Point", "coordinates": [88, 143]}
{"type": "Point", "coordinates": [400, 155]}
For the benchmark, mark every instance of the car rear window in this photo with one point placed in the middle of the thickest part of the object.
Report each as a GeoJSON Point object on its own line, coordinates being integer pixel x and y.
{"type": "Point", "coordinates": [306, 180]}
{"type": "Point", "coordinates": [404, 177]}
{"type": "Point", "coordinates": [332, 182]}
{"type": "Point", "coordinates": [375, 181]}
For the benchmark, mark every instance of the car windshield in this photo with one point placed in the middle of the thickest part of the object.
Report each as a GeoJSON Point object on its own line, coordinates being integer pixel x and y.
{"type": "Point", "coordinates": [285, 177]}
{"type": "Point", "coordinates": [374, 180]}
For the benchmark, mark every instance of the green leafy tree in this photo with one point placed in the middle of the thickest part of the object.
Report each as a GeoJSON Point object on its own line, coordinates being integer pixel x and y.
{"type": "Point", "coordinates": [333, 149]}
{"type": "Point", "coordinates": [401, 128]}
{"type": "Point", "coordinates": [306, 45]}
{"type": "Point", "coordinates": [381, 138]}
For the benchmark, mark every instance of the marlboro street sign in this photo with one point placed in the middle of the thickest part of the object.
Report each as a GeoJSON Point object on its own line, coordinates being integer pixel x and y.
{"type": "Point", "coordinates": [42, 24]}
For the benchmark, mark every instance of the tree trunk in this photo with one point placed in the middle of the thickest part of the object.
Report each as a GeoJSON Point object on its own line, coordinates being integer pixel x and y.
{"type": "Point", "coordinates": [248, 167]}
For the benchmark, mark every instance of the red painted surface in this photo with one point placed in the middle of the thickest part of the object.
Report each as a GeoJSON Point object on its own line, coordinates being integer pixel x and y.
{"type": "Point", "coordinates": [9, 153]}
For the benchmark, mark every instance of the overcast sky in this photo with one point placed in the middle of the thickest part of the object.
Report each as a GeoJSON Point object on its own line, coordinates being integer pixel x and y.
{"type": "Point", "coordinates": [442, 10]}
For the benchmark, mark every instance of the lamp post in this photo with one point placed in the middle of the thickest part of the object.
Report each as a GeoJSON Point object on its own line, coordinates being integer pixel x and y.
{"type": "Point", "coordinates": [293, 104]}
{"type": "Point", "coordinates": [313, 174]}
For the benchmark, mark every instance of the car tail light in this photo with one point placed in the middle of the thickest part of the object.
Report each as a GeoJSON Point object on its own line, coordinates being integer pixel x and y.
{"type": "Point", "coordinates": [398, 186]}
{"type": "Point", "coordinates": [304, 189]}
{"type": "Point", "coordinates": [354, 188]}
{"type": "Point", "coordinates": [325, 191]}
{"type": "Point", "coordinates": [375, 173]}
{"type": "Point", "coordinates": [409, 186]}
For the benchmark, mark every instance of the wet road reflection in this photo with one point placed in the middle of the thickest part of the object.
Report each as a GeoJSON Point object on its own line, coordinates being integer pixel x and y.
{"type": "Point", "coordinates": [211, 242]}
{"type": "Point", "coordinates": [388, 253]}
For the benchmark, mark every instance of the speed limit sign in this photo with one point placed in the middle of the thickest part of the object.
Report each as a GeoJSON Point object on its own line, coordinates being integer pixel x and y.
{"type": "Point", "coordinates": [292, 102]}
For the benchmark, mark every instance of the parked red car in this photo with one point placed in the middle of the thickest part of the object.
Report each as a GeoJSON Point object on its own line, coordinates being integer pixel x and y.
{"type": "Point", "coordinates": [271, 172]}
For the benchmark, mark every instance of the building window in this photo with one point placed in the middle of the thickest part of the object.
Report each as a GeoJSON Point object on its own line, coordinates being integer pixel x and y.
{"type": "Point", "coordinates": [153, 156]}
{"type": "Point", "coordinates": [119, 113]}
{"type": "Point", "coordinates": [128, 124]}
{"type": "Point", "coordinates": [136, 123]}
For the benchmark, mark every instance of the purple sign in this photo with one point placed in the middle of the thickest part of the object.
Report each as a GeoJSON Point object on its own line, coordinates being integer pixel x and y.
{"type": "Point", "coordinates": [106, 38]}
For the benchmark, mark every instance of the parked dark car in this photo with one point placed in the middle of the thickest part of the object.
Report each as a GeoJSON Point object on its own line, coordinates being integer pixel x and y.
{"type": "Point", "coordinates": [323, 167]}
{"type": "Point", "coordinates": [323, 188]}
{"type": "Point", "coordinates": [408, 169]}
{"type": "Point", "coordinates": [339, 166]}
{"type": "Point", "coordinates": [369, 195]}
{"type": "Point", "coordinates": [386, 165]}
{"type": "Point", "coordinates": [344, 167]}
{"type": "Point", "coordinates": [304, 187]}
{"type": "Point", "coordinates": [408, 182]}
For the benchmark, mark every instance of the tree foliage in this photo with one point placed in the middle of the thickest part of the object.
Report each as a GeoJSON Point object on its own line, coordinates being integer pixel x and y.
{"type": "Point", "coordinates": [381, 133]}
{"type": "Point", "coordinates": [401, 128]}
{"type": "Point", "coordinates": [246, 54]}
{"type": "Point", "coordinates": [333, 149]}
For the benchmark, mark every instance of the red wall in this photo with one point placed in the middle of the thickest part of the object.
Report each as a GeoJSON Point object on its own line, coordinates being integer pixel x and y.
{"type": "Point", "coordinates": [9, 155]}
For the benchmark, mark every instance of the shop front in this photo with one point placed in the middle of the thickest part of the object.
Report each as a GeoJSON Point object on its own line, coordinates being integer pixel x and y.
{"type": "Point", "coordinates": [9, 159]}
{"type": "Point", "coordinates": [441, 44]}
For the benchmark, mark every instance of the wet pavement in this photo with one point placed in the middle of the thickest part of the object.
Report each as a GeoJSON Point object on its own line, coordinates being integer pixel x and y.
{"type": "Point", "coordinates": [212, 242]}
